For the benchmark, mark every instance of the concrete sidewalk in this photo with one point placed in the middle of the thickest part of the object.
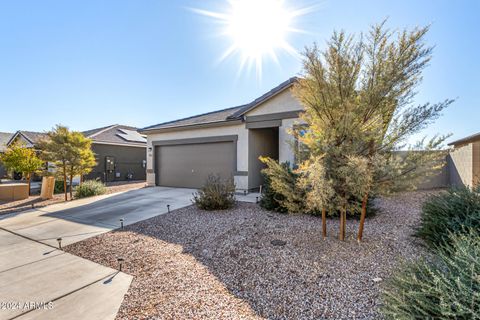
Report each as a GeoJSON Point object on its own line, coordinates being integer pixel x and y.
{"type": "Point", "coordinates": [63, 285]}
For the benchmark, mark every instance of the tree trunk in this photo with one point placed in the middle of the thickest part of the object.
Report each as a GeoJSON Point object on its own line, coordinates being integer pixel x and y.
{"type": "Point", "coordinates": [343, 223]}
{"type": "Point", "coordinates": [362, 217]}
{"type": "Point", "coordinates": [71, 187]}
{"type": "Point", "coordinates": [324, 223]}
{"type": "Point", "coordinates": [65, 182]}
{"type": "Point", "coordinates": [29, 182]}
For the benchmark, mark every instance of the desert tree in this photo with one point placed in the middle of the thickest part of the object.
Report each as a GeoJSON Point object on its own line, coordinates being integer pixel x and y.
{"type": "Point", "coordinates": [19, 158]}
{"type": "Point", "coordinates": [358, 98]}
{"type": "Point", "coordinates": [68, 152]}
{"type": "Point", "coordinates": [82, 158]}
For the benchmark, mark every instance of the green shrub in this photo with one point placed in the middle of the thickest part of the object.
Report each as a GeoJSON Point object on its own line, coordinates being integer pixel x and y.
{"type": "Point", "coordinates": [58, 188]}
{"type": "Point", "coordinates": [446, 288]}
{"type": "Point", "coordinates": [283, 193]}
{"type": "Point", "coordinates": [90, 188]}
{"type": "Point", "coordinates": [449, 212]}
{"type": "Point", "coordinates": [270, 199]}
{"type": "Point", "coordinates": [286, 181]}
{"type": "Point", "coordinates": [216, 194]}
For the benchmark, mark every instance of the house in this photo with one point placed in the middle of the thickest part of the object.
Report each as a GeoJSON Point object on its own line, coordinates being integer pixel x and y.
{"type": "Point", "coordinates": [120, 151]}
{"type": "Point", "coordinates": [4, 138]}
{"type": "Point", "coordinates": [464, 161]}
{"type": "Point", "coordinates": [182, 153]}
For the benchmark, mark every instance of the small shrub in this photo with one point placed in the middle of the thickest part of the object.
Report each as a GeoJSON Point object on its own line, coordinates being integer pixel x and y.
{"type": "Point", "coordinates": [284, 194]}
{"type": "Point", "coordinates": [270, 199]}
{"type": "Point", "coordinates": [58, 188]}
{"type": "Point", "coordinates": [446, 288]}
{"type": "Point", "coordinates": [90, 188]}
{"type": "Point", "coordinates": [216, 194]}
{"type": "Point", "coordinates": [449, 212]}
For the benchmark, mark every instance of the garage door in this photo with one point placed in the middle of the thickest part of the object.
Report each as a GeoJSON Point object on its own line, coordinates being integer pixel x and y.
{"type": "Point", "coordinates": [188, 165]}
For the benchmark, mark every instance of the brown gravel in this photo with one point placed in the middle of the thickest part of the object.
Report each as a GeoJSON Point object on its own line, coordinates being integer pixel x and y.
{"type": "Point", "coordinates": [21, 205]}
{"type": "Point", "coordinates": [192, 264]}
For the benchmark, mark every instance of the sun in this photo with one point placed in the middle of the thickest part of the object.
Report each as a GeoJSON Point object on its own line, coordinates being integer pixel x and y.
{"type": "Point", "coordinates": [257, 29]}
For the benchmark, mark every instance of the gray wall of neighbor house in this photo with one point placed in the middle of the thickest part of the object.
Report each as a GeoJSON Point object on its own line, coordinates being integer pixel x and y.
{"type": "Point", "coordinates": [127, 160]}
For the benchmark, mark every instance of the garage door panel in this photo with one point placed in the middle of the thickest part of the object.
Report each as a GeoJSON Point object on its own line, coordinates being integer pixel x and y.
{"type": "Point", "coordinates": [189, 165]}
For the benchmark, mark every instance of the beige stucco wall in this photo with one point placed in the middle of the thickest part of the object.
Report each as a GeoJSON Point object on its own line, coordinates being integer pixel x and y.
{"type": "Point", "coordinates": [460, 165]}
{"type": "Point", "coordinates": [475, 163]}
{"type": "Point", "coordinates": [241, 182]}
{"type": "Point", "coordinates": [282, 102]}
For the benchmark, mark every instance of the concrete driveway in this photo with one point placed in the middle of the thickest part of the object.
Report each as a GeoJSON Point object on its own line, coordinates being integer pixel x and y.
{"type": "Point", "coordinates": [34, 272]}
{"type": "Point", "coordinates": [81, 219]}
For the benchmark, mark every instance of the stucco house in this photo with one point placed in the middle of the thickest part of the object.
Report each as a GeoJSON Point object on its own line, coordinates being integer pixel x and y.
{"type": "Point", "coordinates": [120, 151]}
{"type": "Point", "coordinates": [464, 161]}
{"type": "Point", "coordinates": [182, 153]}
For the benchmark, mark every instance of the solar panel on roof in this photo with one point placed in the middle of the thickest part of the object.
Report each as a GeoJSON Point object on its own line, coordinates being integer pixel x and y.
{"type": "Point", "coordinates": [131, 135]}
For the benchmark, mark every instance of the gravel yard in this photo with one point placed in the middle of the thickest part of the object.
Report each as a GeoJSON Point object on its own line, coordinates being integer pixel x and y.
{"type": "Point", "coordinates": [192, 264]}
{"type": "Point", "coordinates": [20, 205]}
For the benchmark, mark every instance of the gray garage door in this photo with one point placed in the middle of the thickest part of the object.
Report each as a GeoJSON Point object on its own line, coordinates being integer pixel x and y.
{"type": "Point", "coordinates": [189, 165]}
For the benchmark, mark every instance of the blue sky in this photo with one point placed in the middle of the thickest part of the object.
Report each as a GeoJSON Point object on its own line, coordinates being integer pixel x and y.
{"type": "Point", "coordinates": [87, 64]}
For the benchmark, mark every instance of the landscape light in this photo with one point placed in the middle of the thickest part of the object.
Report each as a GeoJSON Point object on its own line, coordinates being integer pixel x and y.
{"type": "Point", "coordinates": [120, 262]}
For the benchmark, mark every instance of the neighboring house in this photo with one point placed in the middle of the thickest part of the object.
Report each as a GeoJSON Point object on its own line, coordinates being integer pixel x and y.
{"type": "Point", "coordinates": [120, 151]}
{"type": "Point", "coordinates": [4, 138]}
{"type": "Point", "coordinates": [464, 161]}
{"type": "Point", "coordinates": [228, 142]}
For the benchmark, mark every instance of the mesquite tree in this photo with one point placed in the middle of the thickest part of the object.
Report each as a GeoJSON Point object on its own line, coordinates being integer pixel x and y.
{"type": "Point", "coordinates": [358, 98]}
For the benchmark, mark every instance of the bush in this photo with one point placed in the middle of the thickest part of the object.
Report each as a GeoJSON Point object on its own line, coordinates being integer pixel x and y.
{"type": "Point", "coordinates": [90, 188]}
{"type": "Point", "coordinates": [286, 182]}
{"type": "Point", "coordinates": [447, 288]}
{"type": "Point", "coordinates": [58, 188]}
{"type": "Point", "coordinates": [449, 212]}
{"type": "Point", "coordinates": [283, 193]}
{"type": "Point", "coordinates": [216, 194]}
{"type": "Point", "coordinates": [270, 199]}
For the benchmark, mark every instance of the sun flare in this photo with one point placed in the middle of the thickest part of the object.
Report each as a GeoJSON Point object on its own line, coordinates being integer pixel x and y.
{"type": "Point", "coordinates": [256, 29]}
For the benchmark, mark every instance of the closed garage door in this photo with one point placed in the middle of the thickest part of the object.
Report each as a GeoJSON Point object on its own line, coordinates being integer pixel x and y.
{"type": "Point", "coordinates": [188, 165]}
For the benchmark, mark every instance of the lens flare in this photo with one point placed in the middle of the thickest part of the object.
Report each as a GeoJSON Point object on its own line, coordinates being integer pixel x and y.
{"type": "Point", "coordinates": [257, 29]}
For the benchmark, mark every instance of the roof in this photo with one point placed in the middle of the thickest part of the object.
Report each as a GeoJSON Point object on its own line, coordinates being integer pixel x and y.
{"type": "Point", "coordinates": [31, 136]}
{"type": "Point", "coordinates": [225, 115]}
{"type": "Point", "coordinates": [116, 134]}
{"type": "Point", "coordinates": [4, 138]}
{"type": "Point", "coordinates": [470, 138]}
